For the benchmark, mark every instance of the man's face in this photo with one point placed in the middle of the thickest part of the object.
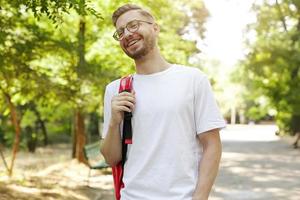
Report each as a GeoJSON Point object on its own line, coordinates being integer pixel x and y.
{"type": "Point", "coordinates": [140, 43]}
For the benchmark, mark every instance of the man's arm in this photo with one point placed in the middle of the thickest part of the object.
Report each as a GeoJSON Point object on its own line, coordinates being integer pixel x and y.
{"type": "Point", "coordinates": [111, 148]}
{"type": "Point", "coordinates": [209, 164]}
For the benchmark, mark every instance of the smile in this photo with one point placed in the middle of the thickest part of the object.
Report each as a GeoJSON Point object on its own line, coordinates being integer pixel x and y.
{"type": "Point", "coordinates": [132, 43]}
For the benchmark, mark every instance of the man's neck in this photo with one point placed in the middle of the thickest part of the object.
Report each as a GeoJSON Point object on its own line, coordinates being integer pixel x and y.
{"type": "Point", "coordinates": [153, 62]}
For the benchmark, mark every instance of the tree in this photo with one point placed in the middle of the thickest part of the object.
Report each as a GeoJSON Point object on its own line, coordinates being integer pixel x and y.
{"type": "Point", "coordinates": [68, 56]}
{"type": "Point", "coordinates": [177, 50]}
{"type": "Point", "coordinates": [273, 62]}
{"type": "Point", "coordinates": [20, 43]}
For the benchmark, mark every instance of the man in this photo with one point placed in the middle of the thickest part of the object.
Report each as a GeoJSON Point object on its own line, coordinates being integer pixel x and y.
{"type": "Point", "coordinates": [176, 146]}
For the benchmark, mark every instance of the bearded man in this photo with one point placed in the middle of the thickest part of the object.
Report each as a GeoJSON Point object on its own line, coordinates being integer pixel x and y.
{"type": "Point", "coordinates": [176, 146]}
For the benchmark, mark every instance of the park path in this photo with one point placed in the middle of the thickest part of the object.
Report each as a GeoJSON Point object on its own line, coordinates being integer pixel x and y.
{"type": "Point", "coordinates": [256, 164]}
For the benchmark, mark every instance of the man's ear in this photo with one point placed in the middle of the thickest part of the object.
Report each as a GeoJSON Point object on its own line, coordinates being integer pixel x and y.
{"type": "Point", "coordinates": [156, 28]}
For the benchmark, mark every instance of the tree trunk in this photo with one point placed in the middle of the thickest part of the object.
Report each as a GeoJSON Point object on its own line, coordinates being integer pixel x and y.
{"type": "Point", "coordinates": [81, 47]}
{"type": "Point", "coordinates": [74, 138]}
{"type": "Point", "coordinates": [233, 114]}
{"type": "Point", "coordinates": [31, 138]}
{"type": "Point", "coordinates": [16, 124]}
{"type": "Point", "coordinates": [80, 136]}
{"type": "Point", "coordinates": [44, 131]}
{"type": "Point", "coordinates": [41, 125]}
{"type": "Point", "coordinates": [3, 159]}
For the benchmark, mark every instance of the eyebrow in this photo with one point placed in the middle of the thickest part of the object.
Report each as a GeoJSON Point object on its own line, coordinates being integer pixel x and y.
{"type": "Point", "coordinates": [123, 27]}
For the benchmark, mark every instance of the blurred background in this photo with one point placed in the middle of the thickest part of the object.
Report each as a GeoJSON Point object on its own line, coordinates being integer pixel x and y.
{"type": "Point", "coordinates": [56, 57]}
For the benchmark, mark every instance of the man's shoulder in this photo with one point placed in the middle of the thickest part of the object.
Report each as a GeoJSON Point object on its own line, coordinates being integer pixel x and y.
{"type": "Point", "coordinates": [190, 71]}
{"type": "Point", "coordinates": [114, 85]}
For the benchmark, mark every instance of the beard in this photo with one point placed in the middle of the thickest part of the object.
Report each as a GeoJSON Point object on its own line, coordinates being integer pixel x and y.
{"type": "Point", "coordinates": [148, 45]}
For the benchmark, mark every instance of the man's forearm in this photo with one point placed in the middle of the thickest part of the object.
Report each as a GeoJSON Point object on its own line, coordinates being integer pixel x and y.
{"type": "Point", "coordinates": [111, 147]}
{"type": "Point", "coordinates": [209, 166]}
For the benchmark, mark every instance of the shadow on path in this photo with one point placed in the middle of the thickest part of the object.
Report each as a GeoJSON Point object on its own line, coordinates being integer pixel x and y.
{"type": "Point", "coordinates": [257, 165]}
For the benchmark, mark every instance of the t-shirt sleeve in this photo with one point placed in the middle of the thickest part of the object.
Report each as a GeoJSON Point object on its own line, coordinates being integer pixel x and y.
{"type": "Point", "coordinates": [106, 110]}
{"type": "Point", "coordinates": [207, 113]}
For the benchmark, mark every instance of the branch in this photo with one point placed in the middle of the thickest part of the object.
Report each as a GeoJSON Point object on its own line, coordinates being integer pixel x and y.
{"type": "Point", "coordinates": [281, 16]}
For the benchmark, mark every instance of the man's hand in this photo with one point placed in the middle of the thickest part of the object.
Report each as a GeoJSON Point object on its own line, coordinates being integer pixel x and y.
{"type": "Point", "coordinates": [111, 147]}
{"type": "Point", "coordinates": [124, 101]}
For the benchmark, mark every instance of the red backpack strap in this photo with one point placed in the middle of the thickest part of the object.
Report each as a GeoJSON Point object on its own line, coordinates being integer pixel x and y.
{"type": "Point", "coordinates": [125, 85]}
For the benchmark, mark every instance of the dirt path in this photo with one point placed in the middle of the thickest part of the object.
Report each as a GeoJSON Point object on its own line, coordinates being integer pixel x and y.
{"type": "Point", "coordinates": [50, 174]}
{"type": "Point", "coordinates": [255, 165]}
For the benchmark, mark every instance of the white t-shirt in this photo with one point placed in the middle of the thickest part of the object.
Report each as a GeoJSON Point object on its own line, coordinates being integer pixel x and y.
{"type": "Point", "coordinates": [172, 107]}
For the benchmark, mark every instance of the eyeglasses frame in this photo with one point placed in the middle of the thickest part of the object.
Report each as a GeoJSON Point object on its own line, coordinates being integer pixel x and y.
{"type": "Point", "coordinates": [115, 35]}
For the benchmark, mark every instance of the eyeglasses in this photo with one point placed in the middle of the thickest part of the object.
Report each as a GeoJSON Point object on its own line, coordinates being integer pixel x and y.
{"type": "Point", "coordinates": [131, 26]}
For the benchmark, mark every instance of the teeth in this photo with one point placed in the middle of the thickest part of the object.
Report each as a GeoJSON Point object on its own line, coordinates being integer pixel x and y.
{"type": "Point", "coordinates": [132, 42]}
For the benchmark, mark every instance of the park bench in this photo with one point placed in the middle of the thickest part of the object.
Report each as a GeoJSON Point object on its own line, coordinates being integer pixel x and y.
{"type": "Point", "coordinates": [94, 158]}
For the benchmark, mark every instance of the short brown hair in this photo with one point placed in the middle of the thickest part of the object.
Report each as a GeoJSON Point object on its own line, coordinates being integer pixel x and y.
{"type": "Point", "coordinates": [128, 7]}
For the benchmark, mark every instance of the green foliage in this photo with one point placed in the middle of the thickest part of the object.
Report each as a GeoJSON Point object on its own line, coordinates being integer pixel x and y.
{"type": "Point", "coordinates": [272, 66]}
{"type": "Point", "coordinates": [41, 63]}
{"type": "Point", "coordinates": [54, 9]}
